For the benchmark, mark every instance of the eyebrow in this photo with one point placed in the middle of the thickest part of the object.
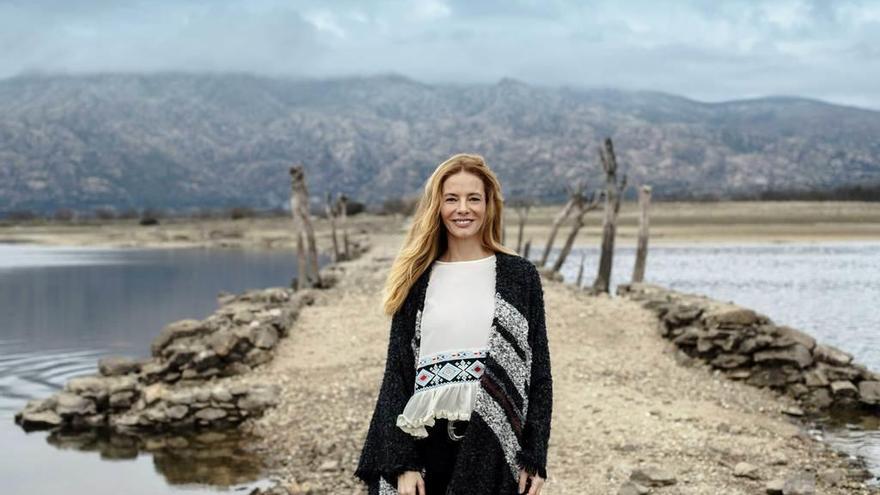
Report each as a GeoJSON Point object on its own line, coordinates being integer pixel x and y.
{"type": "Point", "coordinates": [453, 194]}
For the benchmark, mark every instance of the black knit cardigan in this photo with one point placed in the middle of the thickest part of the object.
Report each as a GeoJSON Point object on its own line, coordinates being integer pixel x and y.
{"type": "Point", "coordinates": [510, 425]}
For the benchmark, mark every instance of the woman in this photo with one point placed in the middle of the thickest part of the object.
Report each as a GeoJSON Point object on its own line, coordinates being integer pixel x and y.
{"type": "Point", "coordinates": [466, 398]}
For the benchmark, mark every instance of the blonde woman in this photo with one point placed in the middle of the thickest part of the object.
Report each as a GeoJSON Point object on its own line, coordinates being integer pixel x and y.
{"type": "Point", "coordinates": [465, 402]}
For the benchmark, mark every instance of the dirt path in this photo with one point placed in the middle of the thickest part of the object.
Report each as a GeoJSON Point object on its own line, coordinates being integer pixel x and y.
{"type": "Point", "coordinates": [620, 400]}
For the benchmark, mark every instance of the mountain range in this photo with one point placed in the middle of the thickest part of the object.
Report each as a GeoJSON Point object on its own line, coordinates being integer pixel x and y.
{"type": "Point", "coordinates": [182, 140]}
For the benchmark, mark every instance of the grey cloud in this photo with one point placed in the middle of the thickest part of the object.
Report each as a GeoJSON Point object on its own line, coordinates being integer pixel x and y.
{"type": "Point", "coordinates": [704, 49]}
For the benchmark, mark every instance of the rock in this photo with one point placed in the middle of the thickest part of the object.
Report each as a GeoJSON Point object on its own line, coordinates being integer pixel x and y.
{"type": "Point", "coordinates": [177, 412]}
{"type": "Point", "coordinates": [69, 404]}
{"type": "Point", "coordinates": [843, 388]}
{"type": "Point", "coordinates": [118, 365]}
{"type": "Point", "coordinates": [682, 315]}
{"type": "Point", "coordinates": [238, 389]}
{"type": "Point", "coordinates": [122, 400]}
{"type": "Point", "coordinates": [155, 392]}
{"type": "Point", "coordinates": [176, 330]}
{"type": "Point", "coordinates": [688, 336]}
{"type": "Point", "coordinates": [205, 359]}
{"type": "Point", "coordinates": [259, 399]}
{"type": "Point", "coordinates": [797, 354]}
{"type": "Point", "coordinates": [778, 459]}
{"type": "Point", "coordinates": [831, 355]}
{"type": "Point", "coordinates": [256, 357]}
{"type": "Point", "coordinates": [264, 337]}
{"type": "Point", "coordinates": [329, 465]}
{"type": "Point", "coordinates": [153, 371]}
{"type": "Point", "coordinates": [652, 476]}
{"type": "Point", "coordinates": [840, 372]}
{"type": "Point", "coordinates": [869, 392]}
{"type": "Point", "coordinates": [180, 354]}
{"type": "Point", "coordinates": [774, 487]}
{"type": "Point", "coordinates": [820, 398]}
{"type": "Point", "coordinates": [798, 390]}
{"type": "Point", "coordinates": [211, 414]}
{"type": "Point", "coordinates": [38, 419]}
{"type": "Point", "coordinates": [243, 317]}
{"type": "Point", "coordinates": [816, 378]}
{"type": "Point", "coordinates": [729, 361]}
{"type": "Point", "coordinates": [793, 335]}
{"type": "Point", "coordinates": [91, 386]}
{"type": "Point", "coordinates": [752, 344]}
{"type": "Point", "coordinates": [731, 317]}
{"type": "Point", "coordinates": [221, 394]}
{"type": "Point", "coordinates": [222, 342]}
{"type": "Point", "coordinates": [834, 477]}
{"type": "Point", "coordinates": [630, 488]}
{"type": "Point", "coordinates": [772, 377]}
{"type": "Point", "coordinates": [793, 411]}
{"type": "Point", "coordinates": [800, 484]}
{"type": "Point", "coordinates": [746, 470]}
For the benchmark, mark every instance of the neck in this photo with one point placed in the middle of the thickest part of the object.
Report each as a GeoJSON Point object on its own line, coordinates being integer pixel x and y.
{"type": "Point", "coordinates": [464, 249]}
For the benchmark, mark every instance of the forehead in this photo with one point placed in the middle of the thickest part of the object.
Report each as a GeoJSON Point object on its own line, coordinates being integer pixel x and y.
{"type": "Point", "coordinates": [462, 183]}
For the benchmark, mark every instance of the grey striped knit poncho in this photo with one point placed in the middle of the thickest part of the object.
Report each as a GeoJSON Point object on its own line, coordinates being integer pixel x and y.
{"type": "Point", "coordinates": [510, 425]}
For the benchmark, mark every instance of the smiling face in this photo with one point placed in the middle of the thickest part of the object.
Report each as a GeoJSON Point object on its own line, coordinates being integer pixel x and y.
{"type": "Point", "coordinates": [463, 197]}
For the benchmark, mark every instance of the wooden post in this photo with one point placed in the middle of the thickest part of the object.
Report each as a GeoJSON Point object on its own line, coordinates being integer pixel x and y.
{"type": "Point", "coordinates": [575, 195]}
{"type": "Point", "coordinates": [580, 276]}
{"type": "Point", "coordinates": [332, 211]}
{"type": "Point", "coordinates": [525, 253]}
{"type": "Point", "coordinates": [306, 249]}
{"type": "Point", "coordinates": [343, 212]}
{"type": "Point", "coordinates": [642, 249]}
{"type": "Point", "coordinates": [613, 193]}
{"type": "Point", "coordinates": [521, 206]}
{"type": "Point", "coordinates": [583, 207]}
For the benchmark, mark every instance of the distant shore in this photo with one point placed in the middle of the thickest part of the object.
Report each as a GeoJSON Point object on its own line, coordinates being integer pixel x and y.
{"type": "Point", "coordinates": [672, 223]}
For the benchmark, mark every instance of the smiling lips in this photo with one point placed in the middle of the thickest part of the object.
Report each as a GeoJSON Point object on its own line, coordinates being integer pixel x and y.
{"type": "Point", "coordinates": [463, 222]}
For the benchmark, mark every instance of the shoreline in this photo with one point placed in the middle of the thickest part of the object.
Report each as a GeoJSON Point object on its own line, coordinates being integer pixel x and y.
{"type": "Point", "coordinates": [671, 224]}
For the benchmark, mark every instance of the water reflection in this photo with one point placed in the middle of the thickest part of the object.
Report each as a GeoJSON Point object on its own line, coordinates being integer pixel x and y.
{"type": "Point", "coordinates": [61, 309]}
{"type": "Point", "coordinates": [218, 458]}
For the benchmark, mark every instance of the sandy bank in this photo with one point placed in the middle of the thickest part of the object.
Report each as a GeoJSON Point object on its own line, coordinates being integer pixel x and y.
{"type": "Point", "coordinates": [671, 223]}
{"type": "Point", "coordinates": [621, 401]}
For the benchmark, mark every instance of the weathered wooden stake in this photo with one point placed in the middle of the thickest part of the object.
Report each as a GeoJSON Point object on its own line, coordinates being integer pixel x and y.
{"type": "Point", "coordinates": [581, 270]}
{"type": "Point", "coordinates": [584, 206]}
{"type": "Point", "coordinates": [332, 211]}
{"type": "Point", "coordinates": [521, 206]}
{"type": "Point", "coordinates": [575, 195]}
{"type": "Point", "coordinates": [642, 249]}
{"type": "Point", "coordinates": [613, 193]}
{"type": "Point", "coordinates": [343, 212]}
{"type": "Point", "coordinates": [525, 253]}
{"type": "Point", "coordinates": [306, 249]}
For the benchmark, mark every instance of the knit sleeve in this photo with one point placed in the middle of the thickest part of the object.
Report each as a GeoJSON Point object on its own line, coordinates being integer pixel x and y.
{"type": "Point", "coordinates": [536, 433]}
{"type": "Point", "coordinates": [389, 451]}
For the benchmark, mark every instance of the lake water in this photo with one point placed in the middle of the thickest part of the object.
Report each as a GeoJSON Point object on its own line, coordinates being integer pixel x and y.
{"type": "Point", "coordinates": [61, 309]}
{"type": "Point", "coordinates": [829, 290]}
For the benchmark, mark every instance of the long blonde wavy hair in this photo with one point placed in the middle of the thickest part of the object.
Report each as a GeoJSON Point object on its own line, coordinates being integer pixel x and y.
{"type": "Point", "coordinates": [426, 239]}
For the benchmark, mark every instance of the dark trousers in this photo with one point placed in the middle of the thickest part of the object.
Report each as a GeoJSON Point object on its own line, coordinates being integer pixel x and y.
{"type": "Point", "coordinates": [439, 451]}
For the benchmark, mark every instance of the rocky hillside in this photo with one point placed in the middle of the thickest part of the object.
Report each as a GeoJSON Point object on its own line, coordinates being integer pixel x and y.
{"type": "Point", "coordinates": [180, 140]}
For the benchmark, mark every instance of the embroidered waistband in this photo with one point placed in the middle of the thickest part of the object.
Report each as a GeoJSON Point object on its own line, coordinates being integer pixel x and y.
{"type": "Point", "coordinates": [457, 367]}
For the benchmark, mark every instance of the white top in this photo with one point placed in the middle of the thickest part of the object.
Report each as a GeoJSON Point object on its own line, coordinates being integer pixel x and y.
{"type": "Point", "coordinates": [455, 323]}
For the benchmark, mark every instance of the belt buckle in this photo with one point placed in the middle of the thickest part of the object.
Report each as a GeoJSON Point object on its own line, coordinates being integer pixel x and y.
{"type": "Point", "coordinates": [450, 428]}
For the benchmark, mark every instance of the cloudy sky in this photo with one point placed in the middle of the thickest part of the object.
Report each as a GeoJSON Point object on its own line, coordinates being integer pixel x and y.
{"type": "Point", "coordinates": [706, 49]}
